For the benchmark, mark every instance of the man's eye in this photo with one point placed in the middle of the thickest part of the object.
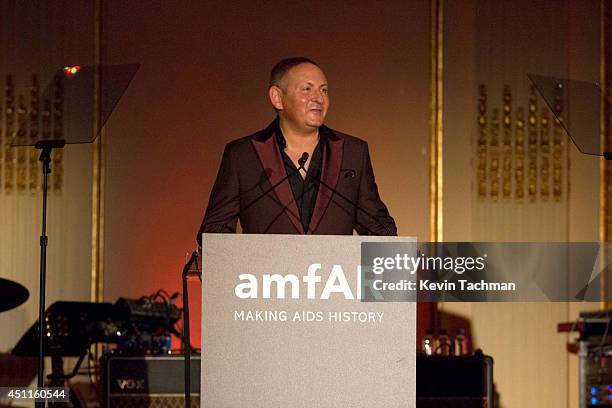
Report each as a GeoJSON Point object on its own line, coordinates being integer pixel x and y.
{"type": "Point", "coordinates": [306, 88]}
{"type": "Point", "coordinates": [324, 90]}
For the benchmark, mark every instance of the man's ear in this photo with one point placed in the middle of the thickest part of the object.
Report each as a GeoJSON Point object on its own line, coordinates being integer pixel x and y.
{"type": "Point", "coordinates": [276, 97]}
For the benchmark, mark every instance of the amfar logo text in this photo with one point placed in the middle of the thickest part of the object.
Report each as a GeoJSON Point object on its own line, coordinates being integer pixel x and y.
{"type": "Point", "coordinates": [248, 288]}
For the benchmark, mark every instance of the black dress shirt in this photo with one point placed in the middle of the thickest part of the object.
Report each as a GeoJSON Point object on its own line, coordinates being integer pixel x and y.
{"type": "Point", "coordinates": [304, 189]}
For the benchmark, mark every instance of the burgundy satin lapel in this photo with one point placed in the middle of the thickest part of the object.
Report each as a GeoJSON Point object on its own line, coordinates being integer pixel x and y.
{"type": "Point", "coordinates": [270, 159]}
{"type": "Point", "coordinates": [332, 161]}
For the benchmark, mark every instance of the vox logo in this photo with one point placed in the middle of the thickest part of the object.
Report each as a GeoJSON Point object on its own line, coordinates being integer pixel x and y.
{"type": "Point", "coordinates": [131, 384]}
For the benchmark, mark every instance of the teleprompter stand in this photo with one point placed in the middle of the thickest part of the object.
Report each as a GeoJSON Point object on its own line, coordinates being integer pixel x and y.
{"type": "Point", "coordinates": [45, 146]}
{"type": "Point", "coordinates": [89, 95]}
{"type": "Point", "coordinates": [581, 117]}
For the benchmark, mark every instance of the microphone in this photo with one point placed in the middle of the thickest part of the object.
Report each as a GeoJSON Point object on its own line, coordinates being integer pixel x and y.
{"type": "Point", "coordinates": [348, 173]}
{"type": "Point", "coordinates": [302, 160]}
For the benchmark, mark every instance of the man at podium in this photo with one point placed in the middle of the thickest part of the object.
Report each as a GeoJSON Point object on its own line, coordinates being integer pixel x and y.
{"type": "Point", "coordinates": [297, 176]}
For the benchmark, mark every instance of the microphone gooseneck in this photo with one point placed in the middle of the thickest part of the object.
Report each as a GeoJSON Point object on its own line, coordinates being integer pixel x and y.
{"type": "Point", "coordinates": [301, 162]}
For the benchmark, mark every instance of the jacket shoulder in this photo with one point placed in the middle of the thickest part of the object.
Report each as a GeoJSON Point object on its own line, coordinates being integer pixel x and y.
{"type": "Point", "coordinates": [349, 139]}
{"type": "Point", "coordinates": [238, 145]}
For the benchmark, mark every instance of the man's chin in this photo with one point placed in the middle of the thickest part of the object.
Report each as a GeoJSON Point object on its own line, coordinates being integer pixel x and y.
{"type": "Point", "coordinates": [316, 123]}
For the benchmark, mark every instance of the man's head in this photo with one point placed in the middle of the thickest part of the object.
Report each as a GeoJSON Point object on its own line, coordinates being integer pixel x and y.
{"type": "Point", "coordinates": [298, 92]}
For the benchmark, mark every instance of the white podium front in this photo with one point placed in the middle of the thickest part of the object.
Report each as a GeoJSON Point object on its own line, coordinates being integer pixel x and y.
{"type": "Point", "coordinates": [280, 330]}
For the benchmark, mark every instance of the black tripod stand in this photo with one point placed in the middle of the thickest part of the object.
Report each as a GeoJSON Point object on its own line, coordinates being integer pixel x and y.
{"type": "Point", "coordinates": [46, 147]}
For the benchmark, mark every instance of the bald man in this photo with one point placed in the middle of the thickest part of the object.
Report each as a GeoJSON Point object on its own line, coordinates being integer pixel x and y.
{"type": "Point", "coordinates": [297, 176]}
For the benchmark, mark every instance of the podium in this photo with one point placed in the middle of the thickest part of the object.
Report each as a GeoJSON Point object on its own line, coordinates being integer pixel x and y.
{"type": "Point", "coordinates": [284, 325]}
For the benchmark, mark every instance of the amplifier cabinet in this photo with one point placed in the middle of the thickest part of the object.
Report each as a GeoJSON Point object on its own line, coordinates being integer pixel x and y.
{"type": "Point", "coordinates": [454, 382]}
{"type": "Point", "coordinates": [148, 381]}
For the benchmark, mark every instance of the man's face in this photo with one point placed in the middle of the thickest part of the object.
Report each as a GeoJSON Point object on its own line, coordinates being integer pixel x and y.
{"type": "Point", "coordinates": [304, 100]}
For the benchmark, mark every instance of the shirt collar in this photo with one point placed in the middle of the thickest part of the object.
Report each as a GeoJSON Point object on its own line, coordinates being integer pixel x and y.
{"type": "Point", "coordinates": [280, 138]}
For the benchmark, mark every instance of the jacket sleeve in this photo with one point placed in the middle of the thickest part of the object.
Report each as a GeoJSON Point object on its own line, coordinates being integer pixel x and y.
{"type": "Point", "coordinates": [224, 203]}
{"type": "Point", "coordinates": [372, 216]}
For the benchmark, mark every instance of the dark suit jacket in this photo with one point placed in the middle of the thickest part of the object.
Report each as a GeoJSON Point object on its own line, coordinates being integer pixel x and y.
{"type": "Point", "coordinates": [253, 164]}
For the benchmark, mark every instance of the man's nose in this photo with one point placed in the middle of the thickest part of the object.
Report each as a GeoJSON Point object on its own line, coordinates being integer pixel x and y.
{"type": "Point", "coordinates": [318, 96]}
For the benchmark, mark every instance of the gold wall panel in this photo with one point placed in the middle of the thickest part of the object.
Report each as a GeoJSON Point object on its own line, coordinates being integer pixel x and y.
{"type": "Point", "coordinates": [22, 119]}
{"type": "Point", "coordinates": [500, 150]}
